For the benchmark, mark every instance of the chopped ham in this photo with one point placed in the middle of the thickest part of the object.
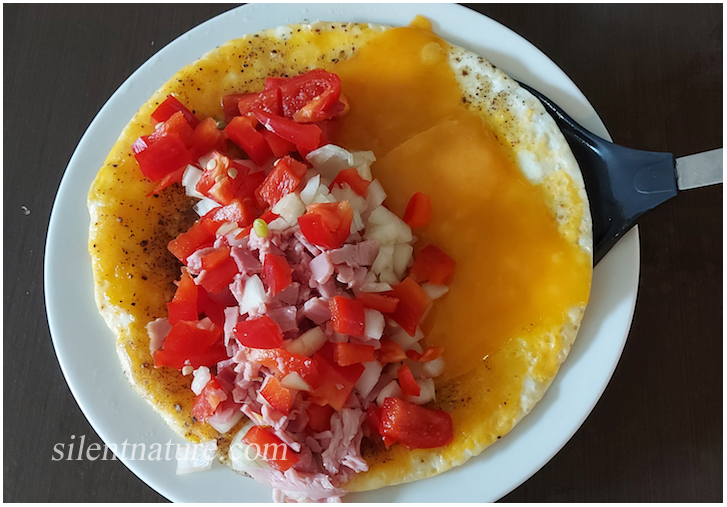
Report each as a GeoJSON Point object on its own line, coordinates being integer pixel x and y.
{"type": "Point", "coordinates": [321, 268]}
{"type": "Point", "coordinates": [317, 310]}
{"type": "Point", "coordinates": [246, 262]}
{"type": "Point", "coordinates": [285, 317]}
{"type": "Point", "coordinates": [159, 329]}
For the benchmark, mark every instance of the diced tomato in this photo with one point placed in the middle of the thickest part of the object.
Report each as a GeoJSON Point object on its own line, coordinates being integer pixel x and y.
{"type": "Point", "coordinates": [184, 304]}
{"type": "Point", "coordinates": [207, 137]}
{"type": "Point", "coordinates": [273, 450]}
{"type": "Point", "coordinates": [346, 354]}
{"type": "Point", "coordinates": [274, 82]}
{"type": "Point", "coordinates": [347, 316]}
{"type": "Point", "coordinates": [279, 396]}
{"type": "Point", "coordinates": [307, 136]}
{"type": "Point", "coordinates": [414, 426]}
{"type": "Point", "coordinates": [169, 179]}
{"type": "Point", "coordinates": [390, 352]}
{"type": "Point", "coordinates": [354, 180]}
{"type": "Point", "coordinates": [158, 158]}
{"type": "Point", "coordinates": [176, 125]}
{"type": "Point", "coordinates": [336, 382]}
{"type": "Point", "coordinates": [281, 363]}
{"type": "Point", "coordinates": [259, 333]}
{"type": "Point", "coordinates": [430, 354]}
{"type": "Point", "coordinates": [277, 274]}
{"type": "Point", "coordinates": [170, 106]}
{"type": "Point", "coordinates": [200, 235]}
{"type": "Point", "coordinates": [199, 342]}
{"type": "Point", "coordinates": [219, 275]}
{"type": "Point", "coordinates": [267, 100]}
{"type": "Point", "coordinates": [206, 402]}
{"type": "Point", "coordinates": [241, 130]}
{"type": "Point", "coordinates": [434, 266]}
{"type": "Point", "coordinates": [413, 302]}
{"type": "Point", "coordinates": [313, 96]}
{"type": "Point", "coordinates": [407, 382]}
{"type": "Point", "coordinates": [283, 179]}
{"type": "Point", "coordinates": [327, 225]}
{"type": "Point", "coordinates": [212, 306]}
{"type": "Point", "coordinates": [224, 179]}
{"type": "Point", "coordinates": [319, 417]}
{"type": "Point", "coordinates": [376, 301]}
{"type": "Point", "coordinates": [418, 211]}
{"type": "Point", "coordinates": [279, 146]}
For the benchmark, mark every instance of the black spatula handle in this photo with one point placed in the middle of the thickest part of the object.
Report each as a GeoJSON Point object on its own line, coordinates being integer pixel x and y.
{"type": "Point", "coordinates": [622, 183]}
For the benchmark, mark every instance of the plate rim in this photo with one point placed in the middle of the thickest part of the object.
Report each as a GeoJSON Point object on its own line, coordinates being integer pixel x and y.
{"type": "Point", "coordinates": [628, 247]}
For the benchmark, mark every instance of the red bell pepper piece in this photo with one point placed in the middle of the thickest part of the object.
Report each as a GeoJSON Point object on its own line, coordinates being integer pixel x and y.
{"type": "Point", "coordinates": [259, 333]}
{"type": "Point", "coordinates": [184, 304]}
{"type": "Point", "coordinates": [200, 235]}
{"type": "Point", "coordinates": [430, 354]}
{"type": "Point", "coordinates": [207, 137]}
{"type": "Point", "coordinates": [199, 342]}
{"type": "Point", "coordinates": [241, 130]}
{"type": "Point", "coordinates": [407, 382]}
{"type": "Point", "coordinates": [312, 96]}
{"type": "Point", "coordinates": [283, 179]}
{"type": "Point", "coordinates": [273, 450]}
{"type": "Point", "coordinates": [319, 417]}
{"type": "Point", "coordinates": [169, 179]}
{"type": "Point", "coordinates": [277, 274]}
{"type": "Point", "coordinates": [347, 316]}
{"type": "Point", "coordinates": [390, 352]}
{"type": "Point", "coordinates": [327, 225]}
{"type": "Point", "coordinates": [279, 146]}
{"type": "Point", "coordinates": [376, 301]}
{"type": "Point", "coordinates": [353, 179]}
{"type": "Point", "coordinates": [170, 106]}
{"type": "Point", "coordinates": [277, 395]}
{"type": "Point", "coordinates": [414, 426]}
{"type": "Point", "coordinates": [346, 354]}
{"type": "Point", "coordinates": [413, 302]}
{"type": "Point", "coordinates": [434, 266]}
{"type": "Point", "coordinates": [418, 211]}
{"type": "Point", "coordinates": [307, 136]}
{"type": "Point", "coordinates": [336, 382]}
{"type": "Point", "coordinates": [158, 158]}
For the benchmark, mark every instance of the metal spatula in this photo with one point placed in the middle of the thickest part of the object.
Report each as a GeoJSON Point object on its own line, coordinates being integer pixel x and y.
{"type": "Point", "coordinates": [623, 183]}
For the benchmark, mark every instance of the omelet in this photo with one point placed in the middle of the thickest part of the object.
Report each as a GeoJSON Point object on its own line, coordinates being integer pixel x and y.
{"type": "Point", "coordinates": [508, 204]}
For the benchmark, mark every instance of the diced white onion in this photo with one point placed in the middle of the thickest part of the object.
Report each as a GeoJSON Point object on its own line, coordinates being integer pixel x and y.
{"type": "Point", "coordinates": [205, 205]}
{"type": "Point", "coordinates": [201, 377]}
{"type": "Point", "coordinates": [388, 276]}
{"type": "Point", "coordinates": [362, 161]}
{"type": "Point", "coordinates": [402, 337]}
{"type": "Point", "coordinates": [368, 379]}
{"type": "Point", "coordinates": [195, 457]}
{"type": "Point", "coordinates": [393, 228]}
{"type": "Point", "coordinates": [427, 392]}
{"type": "Point", "coordinates": [223, 421]}
{"type": "Point", "coordinates": [375, 195]}
{"type": "Point", "coordinates": [190, 178]}
{"type": "Point", "coordinates": [435, 291]}
{"type": "Point", "coordinates": [294, 381]}
{"type": "Point", "coordinates": [279, 224]}
{"type": "Point", "coordinates": [311, 188]}
{"type": "Point", "coordinates": [384, 259]}
{"type": "Point", "coordinates": [253, 295]}
{"type": "Point", "coordinates": [390, 390]}
{"type": "Point", "coordinates": [242, 456]}
{"type": "Point", "coordinates": [308, 343]}
{"type": "Point", "coordinates": [329, 160]}
{"type": "Point", "coordinates": [345, 193]}
{"type": "Point", "coordinates": [225, 228]}
{"type": "Point", "coordinates": [357, 224]}
{"type": "Point", "coordinates": [403, 258]}
{"type": "Point", "coordinates": [374, 324]}
{"type": "Point", "coordinates": [376, 287]}
{"type": "Point", "coordinates": [290, 207]}
{"type": "Point", "coordinates": [435, 367]}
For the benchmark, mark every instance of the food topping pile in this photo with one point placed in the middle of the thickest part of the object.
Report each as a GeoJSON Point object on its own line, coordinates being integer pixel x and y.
{"type": "Point", "coordinates": [300, 300]}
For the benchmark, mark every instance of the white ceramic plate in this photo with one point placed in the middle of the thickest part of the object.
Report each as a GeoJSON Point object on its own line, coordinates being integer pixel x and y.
{"type": "Point", "coordinates": [85, 346]}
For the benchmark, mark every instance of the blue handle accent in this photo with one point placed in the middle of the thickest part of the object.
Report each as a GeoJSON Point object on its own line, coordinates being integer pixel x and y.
{"type": "Point", "coordinates": [622, 183]}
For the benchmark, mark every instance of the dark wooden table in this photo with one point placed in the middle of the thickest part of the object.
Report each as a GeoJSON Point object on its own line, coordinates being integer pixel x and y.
{"type": "Point", "coordinates": [654, 74]}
